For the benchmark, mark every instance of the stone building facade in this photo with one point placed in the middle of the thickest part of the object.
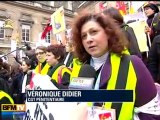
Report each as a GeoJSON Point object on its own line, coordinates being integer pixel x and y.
{"type": "Point", "coordinates": [34, 15]}
{"type": "Point", "coordinates": [29, 19]}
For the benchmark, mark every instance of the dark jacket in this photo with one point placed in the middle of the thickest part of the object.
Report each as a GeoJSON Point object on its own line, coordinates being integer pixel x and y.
{"type": "Point", "coordinates": [4, 83]}
{"type": "Point", "coordinates": [153, 22]}
{"type": "Point", "coordinates": [154, 59]}
{"type": "Point", "coordinates": [69, 60]}
{"type": "Point", "coordinates": [133, 44]}
{"type": "Point", "coordinates": [17, 86]}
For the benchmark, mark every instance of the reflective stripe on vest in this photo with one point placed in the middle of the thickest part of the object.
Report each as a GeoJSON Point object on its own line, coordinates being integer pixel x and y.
{"type": "Point", "coordinates": [76, 68]}
{"type": "Point", "coordinates": [126, 51]}
{"type": "Point", "coordinates": [55, 74]}
{"type": "Point", "coordinates": [127, 108]}
{"type": "Point", "coordinates": [3, 94]}
{"type": "Point", "coordinates": [44, 70]}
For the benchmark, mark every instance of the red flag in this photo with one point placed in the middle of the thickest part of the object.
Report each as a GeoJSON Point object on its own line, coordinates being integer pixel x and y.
{"type": "Point", "coordinates": [47, 29]}
{"type": "Point", "coordinates": [101, 6]}
{"type": "Point", "coordinates": [105, 116]}
{"type": "Point", "coordinates": [31, 82]}
{"type": "Point", "coordinates": [121, 7]}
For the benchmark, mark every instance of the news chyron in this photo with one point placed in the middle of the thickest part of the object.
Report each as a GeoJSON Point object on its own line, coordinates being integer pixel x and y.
{"type": "Point", "coordinates": [10, 110]}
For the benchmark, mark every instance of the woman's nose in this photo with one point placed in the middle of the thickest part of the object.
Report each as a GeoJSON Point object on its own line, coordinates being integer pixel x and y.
{"type": "Point", "coordinates": [89, 39]}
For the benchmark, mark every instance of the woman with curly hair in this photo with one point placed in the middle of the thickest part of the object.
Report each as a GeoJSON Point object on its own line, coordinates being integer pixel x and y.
{"type": "Point", "coordinates": [100, 43]}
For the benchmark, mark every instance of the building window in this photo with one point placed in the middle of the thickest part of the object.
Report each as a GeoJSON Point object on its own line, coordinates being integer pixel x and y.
{"type": "Point", "coordinates": [2, 34]}
{"type": "Point", "coordinates": [70, 5]}
{"type": "Point", "coordinates": [61, 3]}
{"type": "Point", "coordinates": [48, 37]}
{"type": "Point", "coordinates": [26, 33]}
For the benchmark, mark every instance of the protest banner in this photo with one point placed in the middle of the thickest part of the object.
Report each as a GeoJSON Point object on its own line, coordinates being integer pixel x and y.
{"type": "Point", "coordinates": [58, 21]}
{"type": "Point", "coordinates": [60, 110]}
{"type": "Point", "coordinates": [138, 28]}
{"type": "Point", "coordinates": [13, 47]}
{"type": "Point", "coordinates": [47, 110]}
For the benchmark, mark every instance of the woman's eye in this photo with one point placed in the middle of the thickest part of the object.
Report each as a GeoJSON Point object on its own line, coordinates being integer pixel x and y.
{"type": "Point", "coordinates": [93, 32]}
{"type": "Point", "coordinates": [83, 37]}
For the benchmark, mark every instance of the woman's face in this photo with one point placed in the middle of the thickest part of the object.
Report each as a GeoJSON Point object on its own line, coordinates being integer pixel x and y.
{"type": "Point", "coordinates": [94, 39]}
{"type": "Point", "coordinates": [25, 67]}
{"type": "Point", "coordinates": [41, 55]}
{"type": "Point", "coordinates": [148, 11]}
{"type": "Point", "coordinates": [50, 58]}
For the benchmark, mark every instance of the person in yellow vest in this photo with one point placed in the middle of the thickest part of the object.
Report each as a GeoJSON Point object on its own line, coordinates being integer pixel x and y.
{"type": "Point", "coordinates": [42, 67]}
{"type": "Point", "coordinates": [100, 42]}
{"type": "Point", "coordinates": [59, 73]}
{"type": "Point", "coordinates": [75, 66]}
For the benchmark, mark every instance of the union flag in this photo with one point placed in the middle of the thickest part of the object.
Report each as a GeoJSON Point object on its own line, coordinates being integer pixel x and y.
{"type": "Point", "coordinates": [120, 5]}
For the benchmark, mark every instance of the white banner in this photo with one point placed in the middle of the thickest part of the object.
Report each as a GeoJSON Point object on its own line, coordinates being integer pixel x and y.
{"type": "Point", "coordinates": [62, 110]}
{"type": "Point", "coordinates": [138, 28]}
{"type": "Point", "coordinates": [48, 110]}
{"type": "Point", "coordinates": [13, 47]}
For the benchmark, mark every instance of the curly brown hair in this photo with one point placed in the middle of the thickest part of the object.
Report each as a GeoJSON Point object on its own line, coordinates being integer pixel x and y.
{"type": "Point", "coordinates": [117, 41]}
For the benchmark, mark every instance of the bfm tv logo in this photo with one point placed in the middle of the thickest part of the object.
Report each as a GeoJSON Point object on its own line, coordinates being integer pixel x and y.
{"type": "Point", "coordinates": [13, 107]}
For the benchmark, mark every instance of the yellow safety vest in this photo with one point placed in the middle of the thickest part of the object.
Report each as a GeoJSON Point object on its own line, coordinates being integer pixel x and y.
{"type": "Point", "coordinates": [126, 51]}
{"type": "Point", "coordinates": [59, 72]}
{"type": "Point", "coordinates": [44, 70]}
{"type": "Point", "coordinates": [126, 109]}
{"type": "Point", "coordinates": [76, 68]}
{"type": "Point", "coordinates": [4, 94]}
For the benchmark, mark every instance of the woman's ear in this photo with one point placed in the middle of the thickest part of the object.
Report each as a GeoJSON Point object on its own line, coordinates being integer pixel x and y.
{"type": "Point", "coordinates": [29, 66]}
{"type": "Point", "coordinates": [58, 58]}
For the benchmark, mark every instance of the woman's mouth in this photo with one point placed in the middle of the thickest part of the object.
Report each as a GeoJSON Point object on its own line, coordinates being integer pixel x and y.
{"type": "Point", "coordinates": [92, 48]}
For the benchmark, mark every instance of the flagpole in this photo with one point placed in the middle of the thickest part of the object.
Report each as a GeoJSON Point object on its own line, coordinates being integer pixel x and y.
{"type": "Point", "coordinates": [129, 6]}
{"type": "Point", "coordinates": [149, 39]}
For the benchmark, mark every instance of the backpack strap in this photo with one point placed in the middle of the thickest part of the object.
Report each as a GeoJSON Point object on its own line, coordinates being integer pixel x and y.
{"type": "Point", "coordinates": [125, 27]}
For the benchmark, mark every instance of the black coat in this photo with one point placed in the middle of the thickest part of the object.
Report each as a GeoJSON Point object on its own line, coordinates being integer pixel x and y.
{"type": "Point", "coordinates": [4, 83]}
{"type": "Point", "coordinates": [17, 86]}
{"type": "Point", "coordinates": [133, 43]}
{"type": "Point", "coordinates": [154, 59]}
{"type": "Point", "coordinates": [70, 59]}
{"type": "Point", "coordinates": [153, 22]}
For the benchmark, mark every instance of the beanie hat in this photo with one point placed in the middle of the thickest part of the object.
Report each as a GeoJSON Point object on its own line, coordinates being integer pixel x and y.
{"type": "Point", "coordinates": [153, 7]}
